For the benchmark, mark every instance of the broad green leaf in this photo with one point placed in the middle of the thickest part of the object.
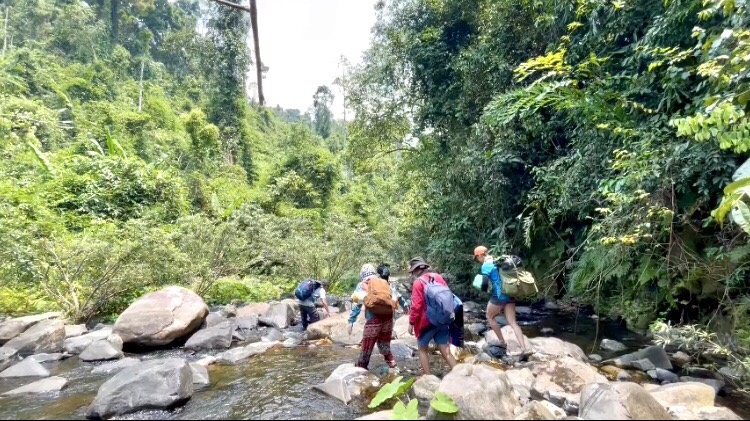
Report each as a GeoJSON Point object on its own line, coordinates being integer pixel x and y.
{"type": "Point", "coordinates": [42, 158]}
{"type": "Point", "coordinates": [443, 403]}
{"type": "Point", "coordinates": [404, 387]}
{"type": "Point", "coordinates": [733, 187]}
{"type": "Point", "coordinates": [741, 215]}
{"type": "Point", "coordinates": [113, 146]}
{"type": "Point", "coordinates": [386, 392]}
{"type": "Point", "coordinates": [408, 412]}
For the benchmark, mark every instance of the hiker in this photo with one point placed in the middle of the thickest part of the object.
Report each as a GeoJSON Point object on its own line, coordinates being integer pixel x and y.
{"type": "Point", "coordinates": [384, 271]}
{"type": "Point", "coordinates": [432, 312]}
{"type": "Point", "coordinates": [499, 302]}
{"type": "Point", "coordinates": [308, 293]}
{"type": "Point", "coordinates": [380, 300]}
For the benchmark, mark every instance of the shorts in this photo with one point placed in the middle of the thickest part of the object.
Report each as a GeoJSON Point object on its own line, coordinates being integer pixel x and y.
{"type": "Point", "coordinates": [503, 300]}
{"type": "Point", "coordinates": [441, 336]}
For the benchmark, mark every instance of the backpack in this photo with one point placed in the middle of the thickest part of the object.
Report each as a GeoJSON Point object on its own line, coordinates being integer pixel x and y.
{"type": "Point", "coordinates": [439, 302]}
{"type": "Point", "coordinates": [518, 283]}
{"type": "Point", "coordinates": [305, 289]}
{"type": "Point", "coordinates": [379, 299]}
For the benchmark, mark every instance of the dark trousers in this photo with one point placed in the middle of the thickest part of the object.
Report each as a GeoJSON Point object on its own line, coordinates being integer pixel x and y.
{"type": "Point", "coordinates": [309, 316]}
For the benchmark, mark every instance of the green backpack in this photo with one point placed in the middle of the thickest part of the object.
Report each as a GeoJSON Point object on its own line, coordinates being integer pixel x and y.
{"type": "Point", "coordinates": [518, 283]}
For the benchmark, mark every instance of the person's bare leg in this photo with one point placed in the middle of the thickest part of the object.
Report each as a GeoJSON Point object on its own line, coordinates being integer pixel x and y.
{"type": "Point", "coordinates": [446, 352]}
{"type": "Point", "coordinates": [510, 316]}
{"type": "Point", "coordinates": [424, 360]}
{"type": "Point", "coordinates": [492, 312]}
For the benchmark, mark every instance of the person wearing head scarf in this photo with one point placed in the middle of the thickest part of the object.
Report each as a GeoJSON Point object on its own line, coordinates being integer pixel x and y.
{"type": "Point", "coordinates": [378, 329]}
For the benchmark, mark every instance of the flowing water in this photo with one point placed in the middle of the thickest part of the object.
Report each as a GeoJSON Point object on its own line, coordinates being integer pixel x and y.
{"type": "Point", "coordinates": [277, 385]}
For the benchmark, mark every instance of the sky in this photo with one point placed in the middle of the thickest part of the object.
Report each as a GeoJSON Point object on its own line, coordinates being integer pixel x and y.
{"type": "Point", "coordinates": [301, 42]}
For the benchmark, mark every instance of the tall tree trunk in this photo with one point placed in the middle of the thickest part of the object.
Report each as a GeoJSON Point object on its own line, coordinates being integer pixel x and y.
{"type": "Point", "coordinates": [258, 63]}
{"type": "Point", "coordinates": [5, 30]}
{"type": "Point", "coordinates": [115, 9]}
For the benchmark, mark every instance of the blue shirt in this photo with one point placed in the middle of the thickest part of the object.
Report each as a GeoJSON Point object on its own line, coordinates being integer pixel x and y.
{"type": "Point", "coordinates": [489, 269]}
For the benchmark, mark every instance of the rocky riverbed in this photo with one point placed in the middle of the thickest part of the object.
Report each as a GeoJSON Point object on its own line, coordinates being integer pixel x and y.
{"type": "Point", "coordinates": [168, 356]}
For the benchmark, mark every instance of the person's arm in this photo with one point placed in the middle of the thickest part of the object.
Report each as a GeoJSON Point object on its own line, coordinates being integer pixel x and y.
{"type": "Point", "coordinates": [417, 303]}
{"type": "Point", "coordinates": [324, 301]}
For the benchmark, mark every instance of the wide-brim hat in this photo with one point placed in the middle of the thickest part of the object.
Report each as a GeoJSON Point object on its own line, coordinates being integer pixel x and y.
{"type": "Point", "coordinates": [416, 263]}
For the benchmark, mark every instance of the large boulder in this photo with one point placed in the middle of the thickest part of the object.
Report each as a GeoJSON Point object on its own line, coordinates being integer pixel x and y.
{"type": "Point", "coordinates": [11, 328]}
{"type": "Point", "coordinates": [52, 384]}
{"type": "Point", "coordinates": [71, 331]}
{"type": "Point", "coordinates": [425, 387]}
{"type": "Point", "coordinates": [78, 344]}
{"type": "Point", "coordinates": [535, 411]}
{"type": "Point", "coordinates": [557, 348]}
{"type": "Point", "coordinates": [336, 328]}
{"type": "Point", "coordinates": [200, 374]}
{"type": "Point", "coordinates": [102, 351]}
{"type": "Point", "coordinates": [44, 336]}
{"type": "Point", "coordinates": [161, 317]}
{"type": "Point", "coordinates": [347, 382]}
{"type": "Point", "coordinates": [655, 354]}
{"type": "Point", "coordinates": [619, 401]}
{"type": "Point", "coordinates": [26, 368]}
{"type": "Point", "coordinates": [690, 395]}
{"type": "Point", "coordinates": [253, 310]}
{"type": "Point", "coordinates": [380, 415]}
{"type": "Point", "coordinates": [215, 337]}
{"type": "Point", "coordinates": [7, 357]}
{"type": "Point", "coordinates": [236, 355]}
{"type": "Point", "coordinates": [612, 345]}
{"type": "Point", "coordinates": [480, 392]}
{"type": "Point", "coordinates": [567, 373]}
{"type": "Point", "coordinates": [522, 381]}
{"type": "Point", "coordinates": [401, 331]}
{"type": "Point", "coordinates": [280, 315]}
{"type": "Point", "coordinates": [512, 345]}
{"type": "Point", "coordinates": [155, 384]}
{"type": "Point", "coordinates": [115, 367]}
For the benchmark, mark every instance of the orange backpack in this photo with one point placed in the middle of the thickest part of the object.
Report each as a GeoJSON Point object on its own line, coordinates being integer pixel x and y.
{"type": "Point", "coordinates": [379, 300]}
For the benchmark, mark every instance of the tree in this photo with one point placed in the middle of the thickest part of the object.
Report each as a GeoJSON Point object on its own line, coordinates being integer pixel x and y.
{"type": "Point", "coordinates": [322, 101]}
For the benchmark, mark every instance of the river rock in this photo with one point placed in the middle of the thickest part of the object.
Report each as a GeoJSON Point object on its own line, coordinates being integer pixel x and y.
{"type": "Point", "coordinates": [45, 358]}
{"type": "Point", "coordinates": [236, 355]}
{"type": "Point", "coordinates": [535, 410]}
{"type": "Point", "coordinates": [681, 359]}
{"type": "Point", "coordinates": [425, 387]}
{"type": "Point", "coordinates": [336, 329]}
{"type": "Point", "coordinates": [11, 328]}
{"type": "Point", "coordinates": [215, 337]}
{"type": "Point", "coordinates": [402, 350]}
{"type": "Point", "coordinates": [272, 335]}
{"type": "Point", "coordinates": [512, 345]}
{"type": "Point", "coordinates": [206, 361]}
{"type": "Point", "coordinates": [279, 315]}
{"type": "Point", "coordinates": [78, 344]}
{"type": "Point", "coordinates": [569, 374]}
{"type": "Point", "coordinates": [480, 392]}
{"type": "Point", "coordinates": [253, 310]}
{"type": "Point", "coordinates": [521, 380]}
{"type": "Point", "coordinates": [663, 375]}
{"type": "Point", "coordinates": [347, 382]}
{"type": "Point", "coordinates": [7, 357]}
{"type": "Point", "coordinates": [557, 348]}
{"type": "Point", "coordinates": [595, 358]}
{"type": "Point", "coordinates": [716, 384]}
{"type": "Point", "coordinates": [730, 373]}
{"type": "Point", "coordinates": [690, 395]}
{"type": "Point", "coordinates": [161, 317]}
{"type": "Point", "coordinates": [246, 324]}
{"type": "Point", "coordinates": [101, 351]}
{"type": "Point", "coordinates": [619, 401]}
{"type": "Point", "coordinates": [26, 368]}
{"type": "Point", "coordinates": [214, 319]}
{"type": "Point", "coordinates": [655, 354]}
{"type": "Point", "coordinates": [380, 415]}
{"type": "Point", "coordinates": [45, 336]}
{"type": "Point", "coordinates": [623, 376]}
{"type": "Point", "coordinates": [291, 343]}
{"type": "Point", "coordinates": [75, 330]}
{"type": "Point", "coordinates": [612, 345]}
{"type": "Point", "coordinates": [52, 384]}
{"type": "Point", "coordinates": [154, 384]}
{"type": "Point", "coordinates": [116, 366]}
{"type": "Point", "coordinates": [200, 374]}
{"type": "Point", "coordinates": [714, 413]}
{"type": "Point", "coordinates": [643, 365]}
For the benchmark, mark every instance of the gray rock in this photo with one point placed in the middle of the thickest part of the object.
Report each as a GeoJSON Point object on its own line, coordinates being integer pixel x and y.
{"type": "Point", "coordinates": [523, 310]}
{"type": "Point", "coordinates": [206, 361]}
{"type": "Point", "coordinates": [477, 328]}
{"type": "Point", "coordinates": [246, 323]}
{"type": "Point", "coordinates": [116, 366]}
{"type": "Point", "coordinates": [155, 384]}
{"type": "Point", "coordinates": [100, 351]}
{"type": "Point", "coordinates": [161, 317]}
{"type": "Point", "coordinates": [229, 310]}
{"type": "Point", "coordinates": [380, 415]}
{"type": "Point", "coordinates": [663, 375]}
{"type": "Point", "coordinates": [596, 358]}
{"type": "Point", "coordinates": [52, 384]}
{"type": "Point", "coordinates": [700, 372]}
{"type": "Point", "coordinates": [551, 305]}
{"type": "Point", "coordinates": [655, 354]}
{"type": "Point", "coordinates": [75, 330]}
{"type": "Point", "coordinates": [26, 368]}
{"type": "Point", "coordinates": [566, 374]}
{"type": "Point", "coordinates": [45, 336]}
{"type": "Point", "coordinates": [681, 359]}
{"type": "Point", "coordinates": [402, 350]}
{"type": "Point", "coordinates": [214, 319]}
{"type": "Point", "coordinates": [624, 376]}
{"type": "Point", "coordinates": [215, 337]}
{"type": "Point", "coordinates": [547, 331]}
{"type": "Point", "coordinates": [45, 358]}
{"type": "Point", "coordinates": [612, 345]}
{"type": "Point", "coordinates": [690, 395]}
{"type": "Point", "coordinates": [291, 343]}
{"type": "Point", "coordinates": [7, 357]}
{"type": "Point", "coordinates": [347, 382]}
{"type": "Point", "coordinates": [556, 348]}
{"type": "Point", "coordinates": [479, 391]}
{"type": "Point", "coordinates": [730, 373]}
{"type": "Point", "coordinates": [619, 401]}
{"type": "Point", "coordinates": [571, 406]}
{"type": "Point", "coordinates": [236, 355]}
{"type": "Point", "coordinates": [280, 316]}
{"type": "Point", "coordinates": [11, 328]}
{"type": "Point", "coordinates": [200, 374]}
{"type": "Point", "coordinates": [534, 411]}
{"type": "Point", "coordinates": [716, 384]}
{"type": "Point", "coordinates": [78, 344]}
{"type": "Point", "coordinates": [643, 365]}
{"type": "Point", "coordinates": [272, 335]}
{"type": "Point", "coordinates": [425, 387]}
{"type": "Point", "coordinates": [521, 380]}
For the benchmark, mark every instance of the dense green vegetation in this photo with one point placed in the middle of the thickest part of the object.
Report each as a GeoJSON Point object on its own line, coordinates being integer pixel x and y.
{"type": "Point", "coordinates": [595, 138]}
{"type": "Point", "coordinates": [132, 159]}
